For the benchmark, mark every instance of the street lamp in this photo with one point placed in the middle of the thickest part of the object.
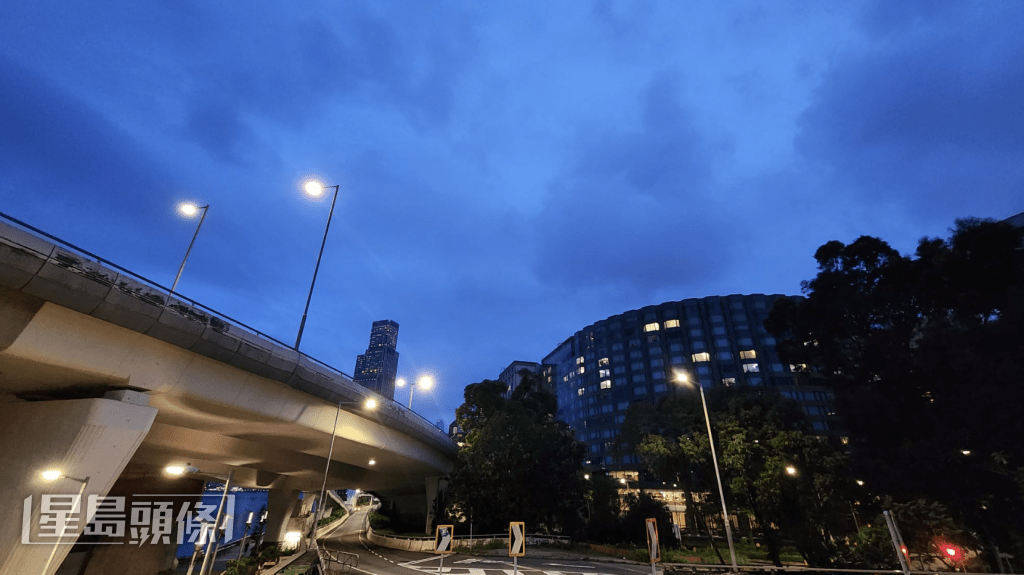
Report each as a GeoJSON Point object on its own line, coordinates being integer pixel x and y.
{"type": "Point", "coordinates": [54, 475]}
{"type": "Point", "coordinates": [682, 378]}
{"type": "Point", "coordinates": [370, 404]}
{"type": "Point", "coordinates": [178, 471]}
{"type": "Point", "coordinates": [425, 382]}
{"type": "Point", "coordinates": [189, 210]}
{"type": "Point", "coordinates": [315, 189]}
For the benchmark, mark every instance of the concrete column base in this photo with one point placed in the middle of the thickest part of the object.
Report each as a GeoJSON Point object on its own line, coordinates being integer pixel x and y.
{"type": "Point", "coordinates": [83, 438]}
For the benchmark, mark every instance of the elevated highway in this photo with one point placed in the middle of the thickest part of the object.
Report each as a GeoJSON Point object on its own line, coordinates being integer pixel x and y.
{"type": "Point", "coordinates": [108, 376]}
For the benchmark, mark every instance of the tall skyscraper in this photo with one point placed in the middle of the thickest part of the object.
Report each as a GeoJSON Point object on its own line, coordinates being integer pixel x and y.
{"type": "Point", "coordinates": [376, 369]}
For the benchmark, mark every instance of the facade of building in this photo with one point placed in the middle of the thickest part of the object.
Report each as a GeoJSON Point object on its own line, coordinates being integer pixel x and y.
{"type": "Point", "coordinates": [512, 376]}
{"type": "Point", "coordinates": [376, 369]}
{"type": "Point", "coordinates": [601, 370]}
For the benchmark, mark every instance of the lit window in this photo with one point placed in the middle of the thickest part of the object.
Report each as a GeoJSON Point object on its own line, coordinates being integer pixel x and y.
{"type": "Point", "coordinates": [704, 356]}
{"type": "Point", "coordinates": [579, 360]}
{"type": "Point", "coordinates": [798, 367]}
{"type": "Point", "coordinates": [652, 327]}
{"type": "Point", "coordinates": [583, 369]}
{"type": "Point", "coordinates": [580, 391]}
{"type": "Point", "coordinates": [749, 354]}
{"type": "Point", "coordinates": [751, 368]}
{"type": "Point", "coordinates": [671, 323]}
{"type": "Point", "coordinates": [604, 373]}
{"type": "Point", "coordinates": [606, 384]}
{"type": "Point", "coordinates": [603, 361]}
{"type": "Point", "coordinates": [728, 381]}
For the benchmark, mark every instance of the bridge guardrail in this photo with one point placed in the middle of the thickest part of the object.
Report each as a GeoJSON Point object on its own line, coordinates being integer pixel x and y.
{"type": "Point", "coordinates": [44, 266]}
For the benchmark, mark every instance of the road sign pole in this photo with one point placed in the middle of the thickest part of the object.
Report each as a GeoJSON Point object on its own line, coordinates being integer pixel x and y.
{"type": "Point", "coordinates": [515, 565]}
{"type": "Point", "coordinates": [440, 566]}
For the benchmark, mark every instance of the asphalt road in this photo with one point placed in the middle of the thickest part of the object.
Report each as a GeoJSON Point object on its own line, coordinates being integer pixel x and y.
{"type": "Point", "coordinates": [376, 560]}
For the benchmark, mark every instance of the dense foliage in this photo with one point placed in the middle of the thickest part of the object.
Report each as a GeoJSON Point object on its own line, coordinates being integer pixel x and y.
{"type": "Point", "coordinates": [518, 464]}
{"type": "Point", "coordinates": [924, 353]}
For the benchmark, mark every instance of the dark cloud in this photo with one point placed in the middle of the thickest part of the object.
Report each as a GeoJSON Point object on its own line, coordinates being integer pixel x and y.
{"type": "Point", "coordinates": [928, 118]}
{"type": "Point", "coordinates": [635, 210]}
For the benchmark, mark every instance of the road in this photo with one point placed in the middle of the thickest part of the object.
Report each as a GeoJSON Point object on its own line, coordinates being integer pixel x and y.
{"type": "Point", "coordinates": [376, 560]}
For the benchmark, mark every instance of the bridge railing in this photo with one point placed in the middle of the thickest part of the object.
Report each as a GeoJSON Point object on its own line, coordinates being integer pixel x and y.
{"type": "Point", "coordinates": [54, 269]}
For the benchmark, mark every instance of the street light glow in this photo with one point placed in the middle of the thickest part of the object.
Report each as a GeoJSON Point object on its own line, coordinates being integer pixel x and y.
{"type": "Point", "coordinates": [314, 188]}
{"type": "Point", "coordinates": [52, 475]}
{"type": "Point", "coordinates": [425, 382]}
{"type": "Point", "coordinates": [682, 377]}
{"type": "Point", "coordinates": [400, 382]}
{"type": "Point", "coordinates": [791, 470]}
{"type": "Point", "coordinates": [175, 470]}
{"type": "Point", "coordinates": [373, 462]}
{"type": "Point", "coordinates": [188, 209]}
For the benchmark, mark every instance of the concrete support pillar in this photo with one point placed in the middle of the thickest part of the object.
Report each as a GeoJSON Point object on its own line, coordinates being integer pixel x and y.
{"type": "Point", "coordinates": [433, 486]}
{"type": "Point", "coordinates": [85, 438]}
{"type": "Point", "coordinates": [280, 506]}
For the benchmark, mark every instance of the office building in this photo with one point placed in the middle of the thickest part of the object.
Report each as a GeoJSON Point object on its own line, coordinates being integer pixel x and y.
{"type": "Point", "coordinates": [604, 368]}
{"type": "Point", "coordinates": [512, 375]}
{"type": "Point", "coordinates": [376, 369]}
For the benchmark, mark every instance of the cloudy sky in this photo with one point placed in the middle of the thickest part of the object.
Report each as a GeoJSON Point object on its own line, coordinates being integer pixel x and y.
{"type": "Point", "coordinates": [509, 172]}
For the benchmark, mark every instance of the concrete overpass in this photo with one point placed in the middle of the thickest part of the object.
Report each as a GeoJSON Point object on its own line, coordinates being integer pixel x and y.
{"type": "Point", "coordinates": [109, 376]}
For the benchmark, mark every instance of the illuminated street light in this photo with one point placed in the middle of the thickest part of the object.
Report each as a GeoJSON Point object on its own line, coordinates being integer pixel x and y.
{"type": "Point", "coordinates": [790, 470]}
{"type": "Point", "coordinates": [316, 189]}
{"type": "Point", "coordinates": [54, 475]}
{"type": "Point", "coordinates": [189, 210]}
{"type": "Point", "coordinates": [178, 471]}
{"type": "Point", "coordinates": [369, 404]}
{"type": "Point", "coordinates": [425, 382]}
{"type": "Point", "coordinates": [682, 378]}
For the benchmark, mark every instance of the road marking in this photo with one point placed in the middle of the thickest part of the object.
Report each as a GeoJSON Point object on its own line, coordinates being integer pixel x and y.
{"type": "Point", "coordinates": [573, 566]}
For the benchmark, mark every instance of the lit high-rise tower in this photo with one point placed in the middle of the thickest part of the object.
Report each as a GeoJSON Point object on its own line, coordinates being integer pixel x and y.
{"type": "Point", "coordinates": [376, 369]}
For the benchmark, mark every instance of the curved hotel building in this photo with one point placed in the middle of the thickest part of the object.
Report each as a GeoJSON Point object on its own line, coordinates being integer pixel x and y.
{"type": "Point", "coordinates": [599, 371]}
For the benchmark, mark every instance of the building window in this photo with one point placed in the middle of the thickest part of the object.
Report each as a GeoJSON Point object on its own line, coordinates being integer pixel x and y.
{"type": "Point", "coordinates": [606, 384]}
{"type": "Point", "coordinates": [704, 370]}
{"type": "Point", "coordinates": [620, 369]}
{"type": "Point", "coordinates": [724, 355]}
{"type": "Point", "coordinates": [717, 318]}
{"type": "Point", "coordinates": [606, 409]}
{"type": "Point", "coordinates": [798, 367]}
{"type": "Point", "coordinates": [671, 323]}
{"type": "Point", "coordinates": [655, 362]}
{"type": "Point", "coordinates": [581, 391]}
{"type": "Point", "coordinates": [583, 368]}
{"type": "Point", "coordinates": [777, 367]}
{"type": "Point", "coordinates": [604, 373]}
{"type": "Point", "coordinates": [636, 354]}
{"type": "Point", "coordinates": [637, 366]}
{"type": "Point", "coordinates": [676, 359]}
{"type": "Point", "coordinates": [697, 345]}
{"type": "Point", "coordinates": [748, 354]}
{"type": "Point", "coordinates": [696, 332]}
{"type": "Point", "coordinates": [728, 381]}
{"type": "Point", "coordinates": [620, 381]}
{"type": "Point", "coordinates": [751, 368]}
{"type": "Point", "coordinates": [638, 378]}
{"type": "Point", "coordinates": [718, 330]}
{"type": "Point", "coordinates": [705, 356]}
{"type": "Point", "coordinates": [652, 327]}
{"type": "Point", "coordinates": [602, 362]}
{"type": "Point", "coordinates": [722, 342]}
{"type": "Point", "coordinates": [618, 358]}
{"type": "Point", "coordinates": [660, 388]}
{"type": "Point", "coordinates": [623, 405]}
{"type": "Point", "coordinates": [617, 346]}
{"type": "Point", "coordinates": [745, 341]}
{"type": "Point", "coordinates": [657, 375]}
{"type": "Point", "coordinates": [639, 390]}
{"type": "Point", "coordinates": [675, 347]}
{"type": "Point", "coordinates": [579, 360]}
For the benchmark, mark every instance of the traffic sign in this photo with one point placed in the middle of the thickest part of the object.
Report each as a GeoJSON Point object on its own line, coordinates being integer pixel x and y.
{"type": "Point", "coordinates": [516, 540]}
{"type": "Point", "coordinates": [652, 540]}
{"type": "Point", "coordinates": [443, 539]}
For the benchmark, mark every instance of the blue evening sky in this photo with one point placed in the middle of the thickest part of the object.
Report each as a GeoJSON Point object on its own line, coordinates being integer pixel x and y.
{"type": "Point", "coordinates": [510, 172]}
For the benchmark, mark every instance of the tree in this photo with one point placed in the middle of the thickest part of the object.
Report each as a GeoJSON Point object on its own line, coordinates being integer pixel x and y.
{"type": "Point", "coordinates": [924, 355]}
{"type": "Point", "coordinates": [518, 464]}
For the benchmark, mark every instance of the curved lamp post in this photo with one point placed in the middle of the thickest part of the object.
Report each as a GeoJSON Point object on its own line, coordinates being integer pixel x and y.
{"type": "Point", "coordinates": [54, 475]}
{"type": "Point", "coordinates": [179, 470]}
{"type": "Point", "coordinates": [189, 210]}
{"type": "Point", "coordinates": [315, 189]}
{"type": "Point", "coordinates": [682, 378]}
{"type": "Point", "coordinates": [370, 404]}
{"type": "Point", "coordinates": [425, 382]}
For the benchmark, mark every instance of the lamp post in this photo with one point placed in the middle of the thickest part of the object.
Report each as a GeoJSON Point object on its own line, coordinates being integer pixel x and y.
{"type": "Point", "coordinates": [424, 382]}
{"type": "Point", "coordinates": [368, 404]}
{"type": "Point", "coordinates": [315, 189]}
{"type": "Point", "coordinates": [54, 475]}
{"type": "Point", "coordinates": [179, 470]}
{"type": "Point", "coordinates": [241, 546]}
{"type": "Point", "coordinates": [682, 378]}
{"type": "Point", "coordinates": [189, 210]}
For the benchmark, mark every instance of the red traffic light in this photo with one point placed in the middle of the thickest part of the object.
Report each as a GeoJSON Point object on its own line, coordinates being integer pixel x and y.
{"type": "Point", "coordinates": [951, 552]}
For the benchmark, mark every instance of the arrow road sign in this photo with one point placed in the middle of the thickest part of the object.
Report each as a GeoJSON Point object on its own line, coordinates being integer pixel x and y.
{"type": "Point", "coordinates": [652, 540]}
{"type": "Point", "coordinates": [516, 542]}
{"type": "Point", "coordinates": [443, 539]}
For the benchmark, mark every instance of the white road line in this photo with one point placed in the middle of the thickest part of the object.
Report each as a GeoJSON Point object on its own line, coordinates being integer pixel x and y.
{"type": "Point", "coordinates": [573, 566]}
